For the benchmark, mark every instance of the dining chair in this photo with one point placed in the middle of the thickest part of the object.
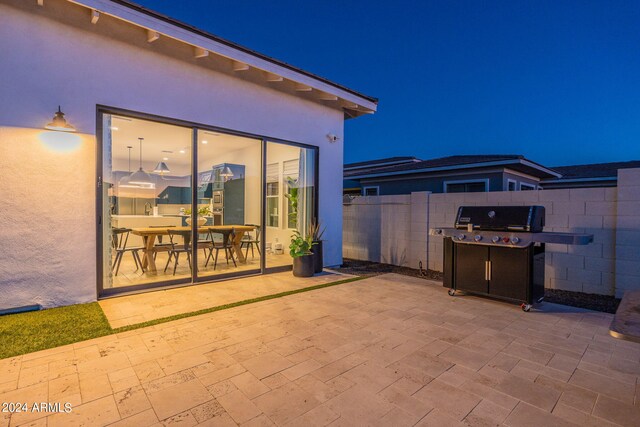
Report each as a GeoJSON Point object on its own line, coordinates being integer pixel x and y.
{"type": "Point", "coordinates": [226, 244]}
{"type": "Point", "coordinates": [178, 248]}
{"type": "Point", "coordinates": [159, 245]}
{"type": "Point", "coordinates": [250, 240]}
{"type": "Point", "coordinates": [119, 242]}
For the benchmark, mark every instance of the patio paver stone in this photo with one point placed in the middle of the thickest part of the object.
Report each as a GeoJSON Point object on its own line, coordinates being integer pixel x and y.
{"type": "Point", "coordinates": [387, 350]}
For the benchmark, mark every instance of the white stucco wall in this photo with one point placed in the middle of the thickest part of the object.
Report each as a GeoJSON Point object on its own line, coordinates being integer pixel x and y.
{"type": "Point", "coordinates": [46, 63]}
{"type": "Point", "coordinates": [47, 220]}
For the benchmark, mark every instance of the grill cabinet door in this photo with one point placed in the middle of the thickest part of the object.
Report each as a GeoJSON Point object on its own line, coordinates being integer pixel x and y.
{"type": "Point", "coordinates": [510, 273]}
{"type": "Point", "coordinates": [470, 267]}
{"type": "Point", "coordinates": [447, 281]}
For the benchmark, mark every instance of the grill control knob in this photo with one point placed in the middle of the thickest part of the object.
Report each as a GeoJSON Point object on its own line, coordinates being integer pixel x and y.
{"type": "Point", "coordinates": [477, 237]}
{"type": "Point", "coordinates": [505, 239]}
{"type": "Point", "coordinates": [495, 239]}
{"type": "Point", "coordinates": [515, 239]}
{"type": "Point", "coordinates": [461, 236]}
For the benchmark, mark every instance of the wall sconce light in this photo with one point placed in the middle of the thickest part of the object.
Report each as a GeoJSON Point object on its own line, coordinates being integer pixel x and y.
{"type": "Point", "coordinates": [332, 137]}
{"type": "Point", "coordinates": [59, 123]}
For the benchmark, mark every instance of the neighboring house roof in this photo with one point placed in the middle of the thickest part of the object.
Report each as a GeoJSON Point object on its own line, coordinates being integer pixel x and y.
{"type": "Point", "coordinates": [352, 102]}
{"type": "Point", "coordinates": [594, 170]}
{"type": "Point", "coordinates": [387, 161]}
{"type": "Point", "coordinates": [512, 161]}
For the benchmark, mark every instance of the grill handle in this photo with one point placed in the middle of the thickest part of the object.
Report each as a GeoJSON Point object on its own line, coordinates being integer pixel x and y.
{"type": "Point", "coordinates": [487, 270]}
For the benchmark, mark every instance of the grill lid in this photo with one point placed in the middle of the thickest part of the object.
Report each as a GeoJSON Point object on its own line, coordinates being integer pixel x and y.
{"type": "Point", "coordinates": [512, 218]}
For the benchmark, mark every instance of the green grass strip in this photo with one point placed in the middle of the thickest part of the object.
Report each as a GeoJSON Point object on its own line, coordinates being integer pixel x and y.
{"type": "Point", "coordinates": [24, 333]}
{"type": "Point", "coordinates": [38, 330]}
{"type": "Point", "coordinates": [232, 304]}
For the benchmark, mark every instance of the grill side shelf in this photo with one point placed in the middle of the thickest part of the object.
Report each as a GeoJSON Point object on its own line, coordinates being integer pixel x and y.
{"type": "Point", "coordinates": [562, 238]}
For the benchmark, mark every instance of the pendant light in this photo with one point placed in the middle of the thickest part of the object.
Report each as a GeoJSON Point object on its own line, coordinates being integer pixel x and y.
{"type": "Point", "coordinates": [161, 168]}
{"type": "Point", "coordinates": [226, 173]}
{"type": "Point", "coordinates": [59, 123]}
{"type": "Point", "coordinates": [125, 181]}
{"type": "Point", "coordinates": [140, 177]}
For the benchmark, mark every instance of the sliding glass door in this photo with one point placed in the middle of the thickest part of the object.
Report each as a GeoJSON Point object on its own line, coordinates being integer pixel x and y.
{"type": "Point", "coordinates": [291, 198]}
{"type": "Point", "coordinates": [146, 196]}
{"type": "Point", "coordinates": [230, 205]}
{"type": "Point", "coordinates": [180, 203]}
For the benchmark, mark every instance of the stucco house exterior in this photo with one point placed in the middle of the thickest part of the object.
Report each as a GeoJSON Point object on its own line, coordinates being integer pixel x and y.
{"type": "Point", "coordinates": [164, 119]}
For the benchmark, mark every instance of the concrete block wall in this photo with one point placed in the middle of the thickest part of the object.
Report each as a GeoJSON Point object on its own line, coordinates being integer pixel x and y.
{"type": "Point", "coordinates": [608, 266]}
{"type": "Point", "coordinates": [377, 228]}
{"type": "Point", "coordinates": [576, 268]}
{"type": "Point", "coordinates": [627, 262]}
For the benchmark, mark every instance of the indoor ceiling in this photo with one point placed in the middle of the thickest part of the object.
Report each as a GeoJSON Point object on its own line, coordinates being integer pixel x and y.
{"type": "Point", "coordinates": [168, 143]}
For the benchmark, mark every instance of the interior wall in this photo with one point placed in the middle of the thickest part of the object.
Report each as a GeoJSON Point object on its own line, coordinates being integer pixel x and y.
{"type": "Point", "coordinates": [251, 158]}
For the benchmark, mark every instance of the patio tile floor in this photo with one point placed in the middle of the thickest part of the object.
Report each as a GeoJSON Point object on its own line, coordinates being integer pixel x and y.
{"type": "Point", "coordinates": [131, 309]}
{"type": "Point", "coordinates": [387, 350]}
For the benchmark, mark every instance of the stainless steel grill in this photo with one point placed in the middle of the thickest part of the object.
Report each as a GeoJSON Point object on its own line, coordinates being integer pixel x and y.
{"type": "Point", "coordinates": [499, 251]}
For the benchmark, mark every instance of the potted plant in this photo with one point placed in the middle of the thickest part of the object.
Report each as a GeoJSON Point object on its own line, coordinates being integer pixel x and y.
{"type": "Point", "coordinates": [316, 232]}
{"type": "Point", "coordinates": [202, 212]}
{"type": "Point", "coordinates": [300, 251]}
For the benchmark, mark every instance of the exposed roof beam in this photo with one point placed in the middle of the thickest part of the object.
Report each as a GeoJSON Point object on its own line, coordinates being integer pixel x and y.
{"type": "Point", "coordinates": [240, 66]}
{"type": "Point", "coordinates": [274, 77]}
{"type": "Point", "coordinates": [303, 88]}
{"type": "Point", "coordinates": [152, 36]}
{"type": "Point", "coordinates": [351, 105]}
{"type": "Point", "coordinates": [95, 15]}
{"type": "Point", "coordinates": [327, 97]}
{"type": "Point", "coordinates": [200, 52]}
{"type": "Point", "coordinates": [172, 29]}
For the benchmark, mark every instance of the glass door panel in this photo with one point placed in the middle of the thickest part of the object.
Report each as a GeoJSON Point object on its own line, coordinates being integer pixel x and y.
{"type": "Point", "coordinates": [229, 187]}
{"type": "Point", "coordinates": [291, 193]}
{"type": "Point", "coordinates": [146, 201]}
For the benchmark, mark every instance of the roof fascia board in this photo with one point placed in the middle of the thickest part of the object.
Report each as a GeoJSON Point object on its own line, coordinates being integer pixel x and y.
{"type": "Point", "coordinates": [441, 168]}
{"type": "Point", "coordinates": [435, 175]}
{"type": "Point", "coordinates": [169, 30]}
{"type": "Point", "coordinates": [375, 165]}
{"type": "Point", "coordinates": [539, 167]}
{"type": "Point", "coordinates": [521, 174]}
{"type": "Point", "coordinates": [465, 166]}
{"type": "Point", "coordinates": [561, 180]}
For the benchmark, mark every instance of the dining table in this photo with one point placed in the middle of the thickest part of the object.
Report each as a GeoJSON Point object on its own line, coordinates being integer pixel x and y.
{"type": "Point", "coordinates": [149, 235]}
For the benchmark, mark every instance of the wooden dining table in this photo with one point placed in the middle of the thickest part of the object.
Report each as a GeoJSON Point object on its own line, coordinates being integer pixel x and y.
{"type": "Point", "coordinates": [149, 235]}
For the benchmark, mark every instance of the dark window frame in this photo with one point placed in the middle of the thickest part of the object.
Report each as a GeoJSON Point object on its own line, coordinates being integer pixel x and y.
{"type": "Point", "coordinates": [102, 110]}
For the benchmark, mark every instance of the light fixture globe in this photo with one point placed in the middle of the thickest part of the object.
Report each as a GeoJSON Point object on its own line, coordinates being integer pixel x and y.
{"type": "Point", "coordinates": [59, 123]}
{"type": "Point", "coordinates": [142, 179]}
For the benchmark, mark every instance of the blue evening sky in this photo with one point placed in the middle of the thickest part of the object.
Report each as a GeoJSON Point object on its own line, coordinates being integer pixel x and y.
{"type": "Point", "coordinates": [557, 81]}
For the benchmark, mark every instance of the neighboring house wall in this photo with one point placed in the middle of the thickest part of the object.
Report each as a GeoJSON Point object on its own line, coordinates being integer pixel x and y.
{"type": "Point", "coordinates": [518, 179]}
{"type": "Point", "coordinates": [47, 217]}
{"type": "Point", "coordinates": [396, 227]}
{"type": "Point", "coordinates": [406, 185]}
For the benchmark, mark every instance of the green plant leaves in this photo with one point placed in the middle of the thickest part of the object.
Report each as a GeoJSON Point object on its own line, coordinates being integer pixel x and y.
{"type": "Point", "coordinates": [300, 246]}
